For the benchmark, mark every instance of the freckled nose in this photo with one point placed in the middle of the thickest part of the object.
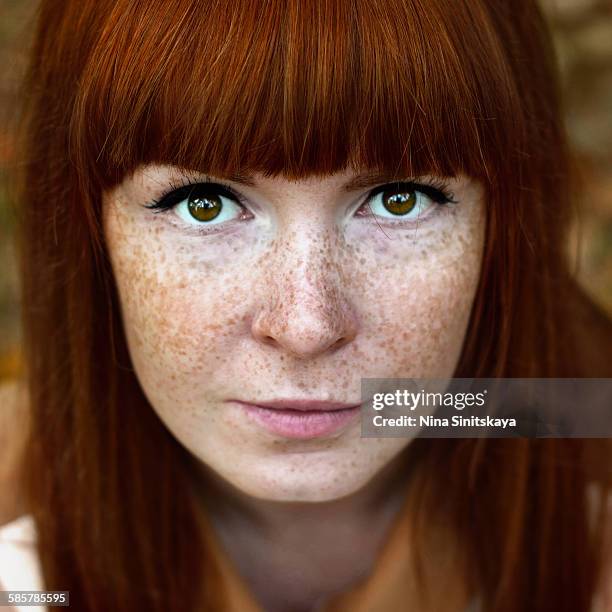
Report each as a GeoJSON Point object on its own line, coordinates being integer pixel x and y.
{"type": "Point", "coordinates": [305, 314]}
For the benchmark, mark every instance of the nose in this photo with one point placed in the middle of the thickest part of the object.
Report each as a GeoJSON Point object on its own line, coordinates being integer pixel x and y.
{"type": "Point", "coordinates": [305, 311]}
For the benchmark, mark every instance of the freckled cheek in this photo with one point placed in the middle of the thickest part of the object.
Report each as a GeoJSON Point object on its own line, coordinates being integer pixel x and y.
{"type": "Point", "coordinates": [180, 319]}
{"type": "Point", "coordinates": [417, 314]}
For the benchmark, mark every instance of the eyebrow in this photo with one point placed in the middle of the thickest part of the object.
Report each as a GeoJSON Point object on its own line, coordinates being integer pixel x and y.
{"type": "Point", "coordinates": [360, 181]}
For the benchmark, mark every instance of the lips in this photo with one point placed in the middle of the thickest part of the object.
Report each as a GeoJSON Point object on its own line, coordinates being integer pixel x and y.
{"type": "Point", "coordinates": [299, 418]}
{"type": "Point", "coordinates": [303, 405]}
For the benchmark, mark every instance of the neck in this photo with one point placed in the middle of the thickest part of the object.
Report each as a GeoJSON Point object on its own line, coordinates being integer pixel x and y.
{"type": "Point", "coordinates": [304, 551]}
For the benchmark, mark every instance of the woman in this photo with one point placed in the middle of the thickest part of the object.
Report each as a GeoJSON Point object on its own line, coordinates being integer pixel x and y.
{"type": "Point", "coordinates": [230, 214]}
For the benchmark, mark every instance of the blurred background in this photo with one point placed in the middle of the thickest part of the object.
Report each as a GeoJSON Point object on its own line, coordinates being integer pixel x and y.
{"type": "Point", "coordinates": [583, 35]}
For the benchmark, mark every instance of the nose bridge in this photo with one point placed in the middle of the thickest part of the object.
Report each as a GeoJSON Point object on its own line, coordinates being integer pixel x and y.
{"type": "Point", "coordinates": [308, 287]}
{"type": "Point", "coordinates": [308, 264]}
{"type": "Point", "coordinates": [306, 309]}
{"type": "Point", "coordinates": [306, 278]}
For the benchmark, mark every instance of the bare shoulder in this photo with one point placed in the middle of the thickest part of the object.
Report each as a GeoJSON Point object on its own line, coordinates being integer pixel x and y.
{"type": "Point", "coordinates": [14, 423]}
{"type": "Point", "coordinates": [603, 595]}
{"type": "Point", "coordinates": [605, 591]}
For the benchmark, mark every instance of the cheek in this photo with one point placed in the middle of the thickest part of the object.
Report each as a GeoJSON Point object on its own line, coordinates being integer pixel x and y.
{"type": "Point", "coordinates": [420, 289]}
{"type": "Point", "coordinates": [179, 311]}
{"type": "Point", "coordinates": [422, 329]}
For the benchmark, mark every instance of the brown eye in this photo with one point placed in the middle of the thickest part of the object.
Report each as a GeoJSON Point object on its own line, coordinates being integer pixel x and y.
{"type": "Point", "coordinates": [202, 204]}
{"type": "Point", "coordinates": [405, 201]}
{"type": "Point", "coordinates": [204, 207]}
{"type": "Point", "coordinates": [399, 203]}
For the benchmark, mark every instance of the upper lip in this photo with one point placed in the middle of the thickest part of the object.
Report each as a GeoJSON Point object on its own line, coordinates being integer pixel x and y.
{"type": "Point", "coordinates": [301, 404]}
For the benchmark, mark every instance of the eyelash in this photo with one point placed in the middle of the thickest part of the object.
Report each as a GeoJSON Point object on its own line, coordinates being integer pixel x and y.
{"type": "Point", "coordinates": [435, 189]}
{"type": "Point", "coordinates": [177, 192]}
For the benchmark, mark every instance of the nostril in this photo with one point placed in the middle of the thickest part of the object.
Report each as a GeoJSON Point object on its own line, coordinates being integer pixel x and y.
{"type": "Point", "coordinates": [340, 342]}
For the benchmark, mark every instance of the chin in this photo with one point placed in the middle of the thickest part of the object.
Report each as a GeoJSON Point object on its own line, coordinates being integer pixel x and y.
{"type": "Point", "coordinates": [299, 488]}
{"type": "Point", "coordinates": [301, 477]}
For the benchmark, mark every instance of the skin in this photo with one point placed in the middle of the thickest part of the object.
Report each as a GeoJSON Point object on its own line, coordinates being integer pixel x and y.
{"type": "Point", "coordinates": [14, 429]}
{"type": "Point", "coordinates": [300, 297]}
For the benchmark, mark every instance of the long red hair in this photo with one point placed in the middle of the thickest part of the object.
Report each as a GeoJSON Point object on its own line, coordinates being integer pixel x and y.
{"type": "Point", "coordinates": [298, 88]}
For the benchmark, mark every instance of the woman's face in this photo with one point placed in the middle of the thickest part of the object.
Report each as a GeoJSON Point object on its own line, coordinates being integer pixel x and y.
{"type": "Point", "coordinates": [271, 289]}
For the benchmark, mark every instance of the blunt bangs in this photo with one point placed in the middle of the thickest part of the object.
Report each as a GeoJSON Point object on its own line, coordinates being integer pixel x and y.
{"type": "Point", "coordinates": [295, 88]}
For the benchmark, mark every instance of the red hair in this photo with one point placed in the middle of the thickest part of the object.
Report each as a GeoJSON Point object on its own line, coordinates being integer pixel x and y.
{"type": "Point", "coordinates": [295, 88]}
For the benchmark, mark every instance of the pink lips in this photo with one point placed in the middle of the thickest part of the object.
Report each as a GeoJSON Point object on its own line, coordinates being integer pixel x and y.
{"type": "Point", "coordinates": [301, 419]}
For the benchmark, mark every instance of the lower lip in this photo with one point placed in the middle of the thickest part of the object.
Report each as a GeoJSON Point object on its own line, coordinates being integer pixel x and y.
{"type": "Point", "coordinates": [301, 424]}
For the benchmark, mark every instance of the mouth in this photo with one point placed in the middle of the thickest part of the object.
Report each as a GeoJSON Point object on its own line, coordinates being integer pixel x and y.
{"type": "Point", "coordinates": [299, 418]}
